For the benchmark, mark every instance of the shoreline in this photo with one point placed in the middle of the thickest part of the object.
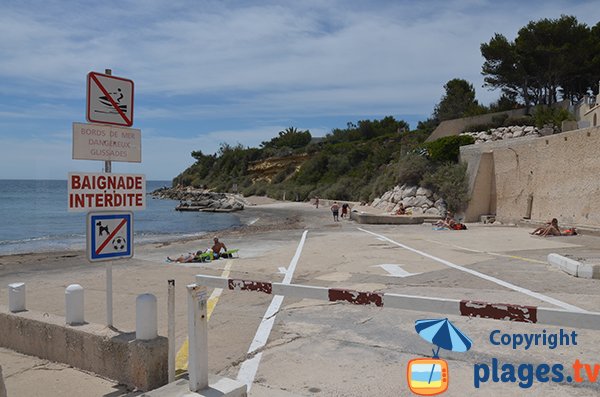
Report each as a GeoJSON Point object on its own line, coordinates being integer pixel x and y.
{"type": "Point", "coordinates": [259, 219]}
{"type": "Point", "coordinates": [58, 248]}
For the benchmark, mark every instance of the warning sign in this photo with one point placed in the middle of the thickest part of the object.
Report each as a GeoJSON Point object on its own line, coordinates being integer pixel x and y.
{"type": "Point", "coordinates": [109, 99]}
{"type": "Point", "coordinates": [109, 235]}
{"type": "Point", "coordinates": [105, 142]}
{"type": "Point", "coordinates": [106, 191]}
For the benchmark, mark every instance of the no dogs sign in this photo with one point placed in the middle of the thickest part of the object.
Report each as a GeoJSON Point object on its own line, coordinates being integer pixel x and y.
{"type": "Point", "coordinates": [109, 235]}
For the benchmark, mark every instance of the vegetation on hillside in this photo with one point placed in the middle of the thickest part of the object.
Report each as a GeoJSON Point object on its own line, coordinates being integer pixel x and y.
{"type": "Point", "coordinates": [359, 162]}
{"type": "Point", "coordinates": [548, 59]}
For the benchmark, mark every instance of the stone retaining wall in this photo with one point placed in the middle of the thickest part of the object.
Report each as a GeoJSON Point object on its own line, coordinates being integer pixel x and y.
{"type": "Point", "coordinates": [416, 200]}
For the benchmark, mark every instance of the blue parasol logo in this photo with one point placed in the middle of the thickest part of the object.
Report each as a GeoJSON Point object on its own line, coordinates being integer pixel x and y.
{"type": "Point", "coordinates": [430, 376]}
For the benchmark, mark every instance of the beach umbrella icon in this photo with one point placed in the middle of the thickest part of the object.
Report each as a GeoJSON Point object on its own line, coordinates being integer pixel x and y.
{"type": "Point", "coordinates": [442, 333]}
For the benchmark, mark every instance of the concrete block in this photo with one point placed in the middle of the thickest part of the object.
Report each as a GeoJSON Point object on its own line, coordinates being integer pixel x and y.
{"type": "Point", "coordinates": [573, 267]}
{"type": "Point", "coordinates": [365, 218]}
{"type": "Point", "coordinates": [218, 386]}
{"type": "Point", "coordinates": [90, 347]}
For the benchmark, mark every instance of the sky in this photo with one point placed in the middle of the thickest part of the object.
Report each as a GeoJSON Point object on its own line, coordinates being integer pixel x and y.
{"type": "Point", "coordinates": [213, 72]}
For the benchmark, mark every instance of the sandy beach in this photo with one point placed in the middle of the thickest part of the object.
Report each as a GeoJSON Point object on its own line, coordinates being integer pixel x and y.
{"type": "Point", "coordinates": [308, 332]}
{"type": "Point", "coordinates": [47, 274]}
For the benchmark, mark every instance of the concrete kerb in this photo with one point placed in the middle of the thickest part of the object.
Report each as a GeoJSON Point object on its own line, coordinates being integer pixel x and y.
{"type": "Point", "coordinates": [217, 387]}
{"type": "Point", "coordinates": [573, 267]}
{"type": "Point", "coordinates": [468, 308]}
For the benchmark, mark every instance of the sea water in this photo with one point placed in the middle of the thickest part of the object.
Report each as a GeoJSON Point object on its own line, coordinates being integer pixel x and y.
{"type": "Point", "coordinates": [34, 218]}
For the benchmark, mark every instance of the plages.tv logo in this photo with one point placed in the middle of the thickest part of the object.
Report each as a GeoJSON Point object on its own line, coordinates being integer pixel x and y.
{"type": "Point", "coordinates": [431, 376]}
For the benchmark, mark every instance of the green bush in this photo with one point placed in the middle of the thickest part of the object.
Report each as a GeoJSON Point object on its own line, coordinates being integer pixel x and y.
{"type": "Point", "coordinates": [499, 119]}
{"type": "Point", "coordinates": [450, 182]}
{"type": "Point", "coordinates": [522, 120]}
{"type": "Point", "coordinates": [547, 115]}
{"type": "Point", "coordinates": [447, 149]}
{"type": "Point", "coordinates": [411, 168]}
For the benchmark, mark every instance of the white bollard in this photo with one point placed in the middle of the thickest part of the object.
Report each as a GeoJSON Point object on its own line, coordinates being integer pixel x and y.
{"type": "Point", "coordinates": [16, 297]}
{"type": "Point", "coordinates": [74, 304]}
{"type": "Point", "coordinates": [146, 320]}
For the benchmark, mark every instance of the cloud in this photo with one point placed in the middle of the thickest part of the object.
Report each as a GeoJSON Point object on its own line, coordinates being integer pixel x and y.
{"type": "Point", "coordinates": [226, 71]}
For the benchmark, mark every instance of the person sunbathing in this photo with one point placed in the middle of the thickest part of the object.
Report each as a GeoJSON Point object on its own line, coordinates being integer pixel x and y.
{"type": "Point", "coordinates": [401, 210]}
{"type": "Point", "coordinates": [447, 222]}
{"type": "Point", "coordinates": [550, 229]}
{"type": "Point", "coordinates": [185, 258]}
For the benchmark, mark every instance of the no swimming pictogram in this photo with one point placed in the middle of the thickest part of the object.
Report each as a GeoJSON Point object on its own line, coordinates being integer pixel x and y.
{"type": "Point", "coordinates": [109, 99]}
{"type": "Point", "coordinates": [109, 235]}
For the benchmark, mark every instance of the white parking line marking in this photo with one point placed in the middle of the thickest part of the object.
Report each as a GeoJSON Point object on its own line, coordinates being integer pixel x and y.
{"type": "Point", "coordinates": [475, 273]}
{"type": "Point", "coordinates": [249, 367]}
{"type": "Point", "coordinates": [487, 252]}
{"type": "Point", "coordinates": [395, 270]}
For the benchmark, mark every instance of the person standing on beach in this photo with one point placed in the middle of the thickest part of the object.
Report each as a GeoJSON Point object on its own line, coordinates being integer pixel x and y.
{"type": "Point", "coordinates": [345, 208]}
{"type": "Point", "coordinates": [317, 201]}
{"type": "Point", "coordinates": [335, 209]}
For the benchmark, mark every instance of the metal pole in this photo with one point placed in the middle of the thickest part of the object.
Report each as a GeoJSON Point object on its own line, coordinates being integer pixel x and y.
{"type": "Point", "coordinates": [198, 337]}
{"type": "Point", "coordinates": [171, 317]}
{"type": "Point", "coordinates": [109, 293]}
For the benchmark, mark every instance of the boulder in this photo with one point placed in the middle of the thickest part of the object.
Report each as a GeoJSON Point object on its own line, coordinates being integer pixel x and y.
{"type": "Point", "coordinates": [410, 191]}
{"type": "Point", "coordinates": [386, 196]}
{"type": "Point", "coordinates": [529, 129]}
{"type": "Point", "coordinates": [433, 212]}
{"type": "Point", "coordinates": [424, 192]}
{"type": "Point", "coordinates": [409, 201]}
{"type": "Point", "coordinates": [518, 133]}
{"type": "Point", "coordinates": [417, 211]}
{"type": "Point", "coordinates": [375, 202]}
{"type": "Point", "coordinates": [420, 201]}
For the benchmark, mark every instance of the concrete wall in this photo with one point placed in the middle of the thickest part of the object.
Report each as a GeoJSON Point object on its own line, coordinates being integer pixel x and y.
{"type": "Point", "coordinates": [91, 347]}
{"type": "Point", "coordinates": [2, 388]}
{"type": "Point", "coordinates": [456, 126]}
{"type": "Point", "coordinates": [559, 172]}
{"type": "Point", "coordinates": [482, 189]}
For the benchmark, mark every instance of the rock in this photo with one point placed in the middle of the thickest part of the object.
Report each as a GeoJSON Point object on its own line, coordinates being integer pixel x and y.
{"type": "Point", "coordinates": [441, 204]}
{"type": "Point", "coordinates": [417, 211]}
{"type": "Point", "coordinates": [528, 129]}
{"type": "Point", "coordinates": [518, 133]}
{"type": "Point", "coordinates": [409, 201]}
{"type": "Point", "coordinates": [375, 202]}
{"type": "Point", "coordinates": [546, 131]}
{"type": "Point", "coordinates": [508, 135]}
{"type": "Point", "coordinates": [433, 212]}
{"type": "Point", "coordinates": [424, 192]}
{"type": "Point", "coordinates": [410, 191]}
{"type": "Point", "coordinates": [420, 201]}
{"type": "Point", "coordinates": [397, 197]}
{"type": "Point", "coordinates": [386, 196]}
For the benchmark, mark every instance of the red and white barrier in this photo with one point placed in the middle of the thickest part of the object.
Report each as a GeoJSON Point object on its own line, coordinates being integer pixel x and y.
{"type": "Point", "coordinates": [469, 308]}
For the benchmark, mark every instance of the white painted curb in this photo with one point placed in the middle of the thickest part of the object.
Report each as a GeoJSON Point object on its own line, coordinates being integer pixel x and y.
{"type": "Point", "coordinates": [573, 267]}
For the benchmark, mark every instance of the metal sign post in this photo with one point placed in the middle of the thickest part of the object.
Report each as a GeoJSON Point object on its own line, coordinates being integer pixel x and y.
{"type": "Point", "coordinates": [109, 234]}
{"type": "Point", "coordinates": [109, 291]}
